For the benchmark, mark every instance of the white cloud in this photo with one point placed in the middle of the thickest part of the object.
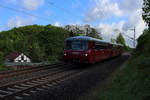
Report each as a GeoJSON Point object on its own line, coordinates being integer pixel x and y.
{"type": "Point", "coordinates": [103, 9]}
{"type": "Point", "coordinates": [48, 13]}
{"type": "Point", "coordinates": [18, 21]}
{"type": "Point", "coordinates": [109, 31]}
{"type": "Point", "coordinates": [135, 20]}
{"type": "Point", "coordinates": [129, 6]}
{"type": "Point", "coordinates": [27, 4]}
{"type": "Point", "coordinates": [32, 4]}
{"type": "Point", "coordinates": [57, 24]}
{"type": "Point", "coordinates": [128, 9]}
{"type": "Point", "coordinates": [124, 27]}
{"type": "Point", "coordinates": [11, 1]}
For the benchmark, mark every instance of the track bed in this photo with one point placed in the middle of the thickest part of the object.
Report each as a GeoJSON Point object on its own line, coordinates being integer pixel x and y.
{"type": "Point", "coordinates": [80, 84]}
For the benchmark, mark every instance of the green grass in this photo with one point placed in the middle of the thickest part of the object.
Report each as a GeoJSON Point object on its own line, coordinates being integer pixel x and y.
{"type": "Point", "coordinates": [3, 68]}
{"type": "Point", "coordinates": [132, 82]}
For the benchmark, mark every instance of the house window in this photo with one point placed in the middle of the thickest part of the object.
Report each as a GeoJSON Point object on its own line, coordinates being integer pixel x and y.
{"type": "Point", "coordinates": [22, 57]}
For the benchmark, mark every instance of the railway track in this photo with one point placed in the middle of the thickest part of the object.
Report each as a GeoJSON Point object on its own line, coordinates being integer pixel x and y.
{"type": "Point", "coordinates": [21, 89]}
{"type": "Point", "coordinates": [8, 74]}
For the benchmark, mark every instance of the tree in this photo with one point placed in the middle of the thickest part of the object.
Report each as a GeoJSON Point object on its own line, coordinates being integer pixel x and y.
{"type": "Point", "coordinates": [113, 40]}
{"type": "Point", "coordinates": [71, 34]}
{"type": "Point", "coordinates": [1, 58]}
{"type": "Point", "coordinates": [68, 27]}
{"type": "Point", "coordinates": [95, 34]}
{"type": "Point", "coordinates": [143, 46]}
{"type": "Point", "coordinates": [146, 11]}
{"type": "Point", "coordinates": [40, 43]}
{"type": "Point", "coordinates": [120, 40]}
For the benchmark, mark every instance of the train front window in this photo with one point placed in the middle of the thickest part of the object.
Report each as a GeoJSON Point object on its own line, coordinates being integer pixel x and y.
{"type": "Point", "coordinates": [76, 45]}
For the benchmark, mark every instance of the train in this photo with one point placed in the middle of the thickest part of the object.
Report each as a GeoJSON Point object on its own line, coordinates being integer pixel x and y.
{"type": "Point", "coordinates": [84, 49]}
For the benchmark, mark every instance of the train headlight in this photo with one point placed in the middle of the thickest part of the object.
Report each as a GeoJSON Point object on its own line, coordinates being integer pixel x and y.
{"type": "Point", "coordinates": [65, 54]}
{"type": "Point", "coordinates": [86, 54]}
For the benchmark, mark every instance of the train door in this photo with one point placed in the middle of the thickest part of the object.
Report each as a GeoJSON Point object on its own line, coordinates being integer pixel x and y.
{"type": "Point", "coordinates": [91, 47]}
{"type": "Point", "coordinates": [99, 52]}
{"type": "Point", "coordinates": [104, 50]}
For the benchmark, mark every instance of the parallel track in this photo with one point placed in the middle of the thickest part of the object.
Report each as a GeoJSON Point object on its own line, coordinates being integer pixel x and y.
{"type": "Point", "coordinates": [20, 89]}
{"type": "Point", "coordinates": [7, 74]}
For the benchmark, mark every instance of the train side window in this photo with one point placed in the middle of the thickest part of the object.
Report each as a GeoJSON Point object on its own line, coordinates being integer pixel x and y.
{"type": "Point", "coordinates": [68, 45]}
{"type": "Point", "coordinates": [97, 47]}
{"type": "Point", "coordinates": [100, 47]}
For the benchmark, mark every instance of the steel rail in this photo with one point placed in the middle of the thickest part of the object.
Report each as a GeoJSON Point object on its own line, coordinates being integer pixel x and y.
{"type": "Point", "coordinates": [23, 87]}
{"type": "Point", "coordinates": [27, 71]}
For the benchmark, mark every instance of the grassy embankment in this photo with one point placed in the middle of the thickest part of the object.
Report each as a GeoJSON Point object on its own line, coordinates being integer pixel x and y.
{"type": "Point", "coordinates": [132, 82]}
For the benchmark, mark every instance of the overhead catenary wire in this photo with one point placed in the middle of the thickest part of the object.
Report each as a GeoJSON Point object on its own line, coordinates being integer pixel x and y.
{"type": "Point", "coordinates": [128, 36]}
{"type": "Point", "coordinates": [25, 12]}
{"type": "Point", "coordinates": [63, 9]}
{"type": "Point", "coordinates": [122, 33]}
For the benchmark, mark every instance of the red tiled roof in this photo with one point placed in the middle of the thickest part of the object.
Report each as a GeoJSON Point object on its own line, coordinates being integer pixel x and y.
{"type": "Point", "coordinates": [13, 55]}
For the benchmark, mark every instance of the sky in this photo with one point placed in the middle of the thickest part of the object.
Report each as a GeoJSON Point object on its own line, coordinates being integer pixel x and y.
{"type": "Point", "coordinates": [109, 17]}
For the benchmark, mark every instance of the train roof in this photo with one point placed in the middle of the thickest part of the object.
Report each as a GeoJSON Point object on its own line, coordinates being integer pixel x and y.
{"type": "Point", "coordinates": [89, 39]}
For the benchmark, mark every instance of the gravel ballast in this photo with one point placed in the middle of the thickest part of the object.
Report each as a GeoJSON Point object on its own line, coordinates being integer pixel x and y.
{"type": "Point", "coordinates": [82, 84]}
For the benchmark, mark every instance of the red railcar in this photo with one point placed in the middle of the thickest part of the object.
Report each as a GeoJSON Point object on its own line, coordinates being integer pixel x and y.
{"type": "Point", "coordinates": [83, 49]}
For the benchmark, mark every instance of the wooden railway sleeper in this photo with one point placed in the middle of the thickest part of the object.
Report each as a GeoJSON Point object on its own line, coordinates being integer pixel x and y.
{"type": "Point", "coordinates": [39, 89]}
{"type": "Point", "coordinates": [50, 81]}
{"type": "Point", "coordinates": [18, 97]}
{"type": "Point", "coordinates": [33, 91]}
{"type": "Point", "coordinates": [20, 87]}
{"type": "Point", "coordinates": [26, 94]}
{"type": "Point", "coordinates": [41, 80]}
{"type": "Point", "coordinates": [1, 95]}
{"type": "Point", "coordinates": [37, 81]}
{"type": "Point", "coordinates": [20, 72]}
{"type": "Point", "coordinates": [49, 85]}
{"type": "Point", "coordinates": [45, 87]}
{"type": "Point", "coordinates": [5, 92]}
{"type": "Point", "coordinates": [12, 89]}
{"type": "Point", "coordinates": [26, 85]}
{"type": "Point", "coordinates": [31, 83]}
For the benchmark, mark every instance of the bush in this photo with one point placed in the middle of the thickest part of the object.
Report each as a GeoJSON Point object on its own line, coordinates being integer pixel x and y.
{"type": "Point", "coordinates": [143, 46]}
{"type": "Point", "coordinates": [38, 42]}
{"type": "Point", "coordinates": [1, 58]}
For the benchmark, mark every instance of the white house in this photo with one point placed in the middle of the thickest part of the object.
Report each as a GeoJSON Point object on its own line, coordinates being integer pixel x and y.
{"type": "Point", "coordinates": [22, 58]}
{"type": "Point", "coordinates": [18, 57]}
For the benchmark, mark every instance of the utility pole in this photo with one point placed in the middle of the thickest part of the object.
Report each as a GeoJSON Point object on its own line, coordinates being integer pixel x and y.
{"type": "Point", "coordinates": [134, 37]}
